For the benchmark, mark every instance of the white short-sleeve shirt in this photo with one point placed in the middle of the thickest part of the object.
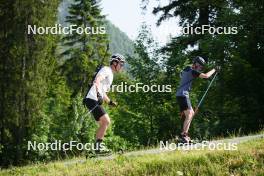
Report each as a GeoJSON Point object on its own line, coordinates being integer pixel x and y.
{"type": "Point", "coordinates": [107, 74]}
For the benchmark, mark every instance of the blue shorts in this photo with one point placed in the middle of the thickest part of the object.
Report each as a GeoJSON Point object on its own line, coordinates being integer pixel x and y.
{"type": "Point", "coordinates": [184, 103]}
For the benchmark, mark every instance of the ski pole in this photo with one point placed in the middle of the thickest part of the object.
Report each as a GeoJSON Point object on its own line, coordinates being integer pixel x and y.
{"type": "Point", "coordinates": [200, 102]}
{"type": "Point", "coordinates": [93, 108]}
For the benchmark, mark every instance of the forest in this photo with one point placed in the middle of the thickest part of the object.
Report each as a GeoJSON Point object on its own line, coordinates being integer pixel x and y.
{"type": "Point", "coordinates": [45, 77]}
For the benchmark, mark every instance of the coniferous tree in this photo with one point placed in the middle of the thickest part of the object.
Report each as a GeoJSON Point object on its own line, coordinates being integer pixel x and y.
{"type": "Point", "coordinates": [236, 53]}
{"type": "Point", "coordinates": [85, 50]}
{"type": "Point", "coordinates": [26, 64]}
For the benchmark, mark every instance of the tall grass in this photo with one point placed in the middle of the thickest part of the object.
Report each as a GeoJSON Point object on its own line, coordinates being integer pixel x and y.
{"type": "Point", "coordinates": [247, 160]}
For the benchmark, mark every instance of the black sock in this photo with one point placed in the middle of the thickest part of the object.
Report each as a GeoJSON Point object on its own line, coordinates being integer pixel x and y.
{"type": "Point", "coordinates": [97, 143]}
{"type": "Point", "coordinates": [99, 140]}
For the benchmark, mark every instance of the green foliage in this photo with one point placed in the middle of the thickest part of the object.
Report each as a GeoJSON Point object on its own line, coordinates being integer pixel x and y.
{"type": "Point", "coordinates": [143, 118]}
{"type": "Point", "coordinates": [82, 51]}
{"type": "Point", "coordinates": [119, 42]}
{"type": "Point", "coordinates": [234, 102]}
{"type": "Point", "coordinates": [41, 96]}
{"type": "Point", "coordinates": [26, 64]}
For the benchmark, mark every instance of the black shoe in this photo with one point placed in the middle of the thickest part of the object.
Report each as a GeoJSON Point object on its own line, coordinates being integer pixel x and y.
{"type": "Point", "coordinates": [90, 154]}
{"type": "Point", "coordinates": [101, 148]}
{"type": "Point", "coordinates": [103, 152]}
{"type": "Point", "coordinates": [98, 153]}
{"type": "Point", "coordinates": [184, 138]}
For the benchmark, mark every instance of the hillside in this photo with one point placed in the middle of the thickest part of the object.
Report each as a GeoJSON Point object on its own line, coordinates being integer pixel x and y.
{"type": "Point", "coordinates": [246, 160]}
{"type": "Point", "coordinates": [119, 41]}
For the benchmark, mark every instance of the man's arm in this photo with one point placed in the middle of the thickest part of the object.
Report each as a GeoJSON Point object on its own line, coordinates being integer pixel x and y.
{"type": "Point", "coordinates": [97, 82]}
{"type": "Point", "coordinates": [106, 98]}
{"type": "Point", "coordinates": [208, 74]}
{"type": "Point", "coordinates": [109, 101]}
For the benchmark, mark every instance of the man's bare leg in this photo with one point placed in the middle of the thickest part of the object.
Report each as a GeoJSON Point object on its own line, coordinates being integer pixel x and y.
{"type": "Point", "coordinates": [188, 119]}
{"type": "Point", "coordinates": [189, 113]}
{"type": "Point", "coordinates": [104, 122]}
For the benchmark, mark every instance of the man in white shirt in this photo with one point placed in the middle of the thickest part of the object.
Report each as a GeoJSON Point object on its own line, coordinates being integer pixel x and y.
{"type": "Point", "coordinates": [97, 94]}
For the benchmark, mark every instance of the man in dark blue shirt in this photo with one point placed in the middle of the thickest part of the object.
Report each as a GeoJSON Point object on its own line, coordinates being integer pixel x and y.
{"type": "Point", "coordinates": [187, 76]}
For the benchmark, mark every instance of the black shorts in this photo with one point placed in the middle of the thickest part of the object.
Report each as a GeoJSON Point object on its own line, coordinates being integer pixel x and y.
{"type": "Point", "coordinates": [184, 103]}
{"type": "Point", "coordinates": [97, 110]}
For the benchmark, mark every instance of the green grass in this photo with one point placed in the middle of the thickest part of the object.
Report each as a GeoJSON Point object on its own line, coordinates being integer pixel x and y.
{"type": "Point", "coordinates": [247, 160]}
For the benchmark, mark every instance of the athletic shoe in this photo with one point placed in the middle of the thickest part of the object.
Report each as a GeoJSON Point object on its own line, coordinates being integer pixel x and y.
{"type": "Point", "coordinates": [184, 138]}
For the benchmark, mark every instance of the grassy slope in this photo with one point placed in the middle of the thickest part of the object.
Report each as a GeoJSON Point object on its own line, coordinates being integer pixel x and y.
{"type": "Point", "coordinates": [247, 160]}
